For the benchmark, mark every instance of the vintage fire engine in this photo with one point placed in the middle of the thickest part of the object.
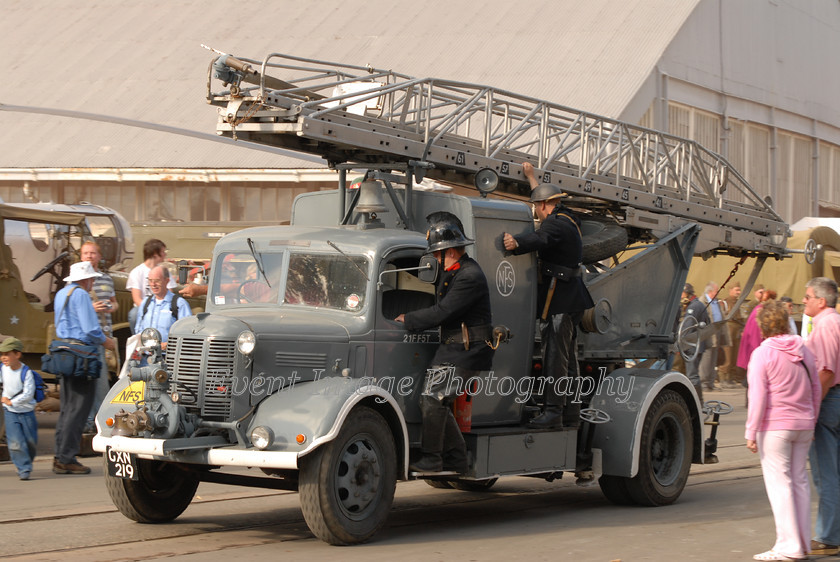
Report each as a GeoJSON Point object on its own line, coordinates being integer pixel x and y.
{"type": "Point", "coordinates": [297, 368]}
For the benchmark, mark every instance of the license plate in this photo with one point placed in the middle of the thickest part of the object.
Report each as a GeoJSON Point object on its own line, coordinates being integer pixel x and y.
{"type": "Point", "coordinates": [121, 465]}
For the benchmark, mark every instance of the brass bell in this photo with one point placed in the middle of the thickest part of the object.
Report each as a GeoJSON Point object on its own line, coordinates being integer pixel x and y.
{"type": "Point", "coordinates": [370, 198]}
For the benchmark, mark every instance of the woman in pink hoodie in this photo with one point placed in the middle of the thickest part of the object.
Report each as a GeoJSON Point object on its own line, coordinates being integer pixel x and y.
{"type": "Point", "coordinates": [784, 401]}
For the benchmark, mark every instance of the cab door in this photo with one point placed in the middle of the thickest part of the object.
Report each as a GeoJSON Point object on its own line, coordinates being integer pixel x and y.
{"type": "Point", "coordinates": [402, 357]}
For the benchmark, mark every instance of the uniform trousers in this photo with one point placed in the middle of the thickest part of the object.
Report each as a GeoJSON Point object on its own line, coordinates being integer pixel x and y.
{"type": "Point", "coordinates": [708, 367]}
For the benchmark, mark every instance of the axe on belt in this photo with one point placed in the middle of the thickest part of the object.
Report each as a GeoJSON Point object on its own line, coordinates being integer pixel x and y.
{"type": "Point", "coordinates": [548, 297]}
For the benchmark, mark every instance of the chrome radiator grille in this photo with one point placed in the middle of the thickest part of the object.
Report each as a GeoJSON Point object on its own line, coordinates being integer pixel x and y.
{"type": "Point", "coordinates": [203, 370]}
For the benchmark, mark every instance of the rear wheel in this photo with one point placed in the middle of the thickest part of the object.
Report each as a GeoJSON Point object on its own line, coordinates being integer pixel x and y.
{"type": "Point", "coordinates": [162, 492]}
{"type": "Point", "coordinates": [347, 485]}
{"type": "Point", "coordinates": [665, 453]}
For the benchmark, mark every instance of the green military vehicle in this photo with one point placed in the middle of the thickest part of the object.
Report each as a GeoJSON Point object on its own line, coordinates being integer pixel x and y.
{"type": "Point", "coordinates": [39, 242]}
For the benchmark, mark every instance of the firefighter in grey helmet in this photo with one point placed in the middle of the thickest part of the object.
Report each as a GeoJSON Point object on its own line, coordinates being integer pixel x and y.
{"type": "Point", "coordinates": [462, 310]}
{"type": "Point", "coordinates": [562, 297]}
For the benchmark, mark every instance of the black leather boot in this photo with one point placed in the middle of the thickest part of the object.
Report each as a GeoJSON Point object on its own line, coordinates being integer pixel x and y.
{"type": "Point", "coordinates": [571, 415]}
{"type": "Point", "coordinates": [454, 447]}
{"type": "Point", "coordinates": [551, 418]}
{"type": "Point", "coordinates": [430, 462]}
{"type": "Point", "coordinates": [434, 425]}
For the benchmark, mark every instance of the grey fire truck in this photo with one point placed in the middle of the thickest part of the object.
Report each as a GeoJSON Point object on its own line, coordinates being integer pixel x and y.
{"type": "Point", "coordinates": [297, 369]}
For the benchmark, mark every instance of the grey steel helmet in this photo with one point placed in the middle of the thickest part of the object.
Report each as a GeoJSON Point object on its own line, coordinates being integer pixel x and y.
{"type": "Point", "coordinates": [546, 192]}
{"type": "Point", "coordinates": [445, 231]}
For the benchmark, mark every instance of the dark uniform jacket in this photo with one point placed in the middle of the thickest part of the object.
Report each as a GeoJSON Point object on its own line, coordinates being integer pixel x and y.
{"type": "Point", "coordinates": [462, 296]}
{"type": "Point", "coordinates": [557, 242]}
{"type": "Point", "coordinates": [697, 308]}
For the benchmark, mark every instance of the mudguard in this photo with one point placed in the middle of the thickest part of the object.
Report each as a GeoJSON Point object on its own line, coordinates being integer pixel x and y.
{"type": "Point", "coordinates": [317, 410]}
{"type": "Point", "coordinates": [314, 409]}
{"type": "Point", "coordinates": [626, 395]}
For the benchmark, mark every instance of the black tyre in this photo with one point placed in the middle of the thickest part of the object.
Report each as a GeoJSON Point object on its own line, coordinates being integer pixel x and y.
{"type": "Point", "coordinates": [665, 454]}
{"type": "Point", "coordinates": [474, 485]}
{"type": "Point", "coordinates": [602, 238]}
{"type": "Point", "coordinates": [162, 493]}
{"type": "Point", "coordinates": [615, 489]}
{"type": "Point", "coordinates": [347, 485]}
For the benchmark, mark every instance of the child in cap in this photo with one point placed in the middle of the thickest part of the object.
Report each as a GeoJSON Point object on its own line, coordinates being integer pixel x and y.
{"type": "Point", "coordinates": [19, 407]}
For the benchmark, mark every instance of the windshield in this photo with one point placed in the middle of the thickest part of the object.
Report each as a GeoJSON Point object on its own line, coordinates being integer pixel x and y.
{"type": "Point", "coordinates": [314, 280]}
{"type": "Point", "coordinates": [239, 281]}
{"type": "Point", "coordinates": [326, 281]}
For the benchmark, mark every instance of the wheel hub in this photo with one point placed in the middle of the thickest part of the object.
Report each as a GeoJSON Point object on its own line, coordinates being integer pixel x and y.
{"type": "Point", "coordinates": [358, 478]}
{"type": "Point", "coordinates": [665, 451]}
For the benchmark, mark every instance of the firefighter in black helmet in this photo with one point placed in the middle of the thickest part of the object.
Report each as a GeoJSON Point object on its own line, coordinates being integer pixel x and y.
{"type": "Point", "coordinates": [462, 311]}
{"type": "Point", "coordinates": [562, 298]}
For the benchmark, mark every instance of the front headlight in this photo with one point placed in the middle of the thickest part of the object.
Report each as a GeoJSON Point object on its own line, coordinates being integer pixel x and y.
{"type": "Point", "coordinates": [262, 437]}
{"type": "Point", "coordinates": [150, 337]}
{"type": "Point", "coordinates": [246, 342]}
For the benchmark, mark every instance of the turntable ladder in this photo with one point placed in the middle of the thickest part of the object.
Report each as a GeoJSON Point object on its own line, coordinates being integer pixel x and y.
{"type": "Point", "coordinates": [347, 113]}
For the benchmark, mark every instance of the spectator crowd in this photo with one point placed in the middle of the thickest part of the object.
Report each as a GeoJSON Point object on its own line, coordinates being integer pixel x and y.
{"type": "Point", "coordinates": [792, 377]}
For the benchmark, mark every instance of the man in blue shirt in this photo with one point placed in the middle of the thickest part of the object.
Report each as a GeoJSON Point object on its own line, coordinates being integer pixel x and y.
{"type": "Point", "coordinates": [709, 360]}
{"type": "Point", "coordinates": [76, 321]}
{"type": "Point", "coordinates": [156, 310]}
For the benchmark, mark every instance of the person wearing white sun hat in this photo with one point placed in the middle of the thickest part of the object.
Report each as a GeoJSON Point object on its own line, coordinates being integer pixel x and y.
{"type": "Point", "coordinates": [75, 321]}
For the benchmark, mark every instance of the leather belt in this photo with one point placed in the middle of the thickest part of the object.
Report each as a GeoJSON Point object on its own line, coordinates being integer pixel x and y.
{"type": "Point", "coordinates": [560, 272]}
{"type": "Point", "coordinates": [71, 340]}
{"type": "Point", "coordinates": [476, 333]}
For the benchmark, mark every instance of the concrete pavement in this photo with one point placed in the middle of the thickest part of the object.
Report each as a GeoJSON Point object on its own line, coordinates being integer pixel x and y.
{"type": "Point", "coordinates": [723, 515]}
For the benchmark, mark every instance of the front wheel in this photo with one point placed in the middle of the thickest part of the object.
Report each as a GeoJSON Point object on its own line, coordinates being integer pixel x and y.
{"type": "Point", "coordinates": [162, 492]}
{"type": "Point", "coordinates": [665, 452]}
{"type": "Point", "coordinates": [347, 485]}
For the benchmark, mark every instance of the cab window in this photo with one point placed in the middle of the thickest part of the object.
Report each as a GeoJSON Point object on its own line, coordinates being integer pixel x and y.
{"type": "Point", "coordinates": [402, 291]}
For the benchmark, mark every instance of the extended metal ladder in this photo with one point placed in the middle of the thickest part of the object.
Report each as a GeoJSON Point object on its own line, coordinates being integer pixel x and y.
{"type": "Point", "coordinates": [454, 130]}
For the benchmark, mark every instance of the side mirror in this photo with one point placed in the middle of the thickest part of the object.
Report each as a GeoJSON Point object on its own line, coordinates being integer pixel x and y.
{"type": "Point", "coordinates": [428, 271]}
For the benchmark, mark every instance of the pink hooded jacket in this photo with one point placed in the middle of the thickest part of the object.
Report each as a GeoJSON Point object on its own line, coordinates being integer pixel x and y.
{"type": "Point", "coordinates": [782, 394]}
{"type": "Point", "coordinates": [751, 338]}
